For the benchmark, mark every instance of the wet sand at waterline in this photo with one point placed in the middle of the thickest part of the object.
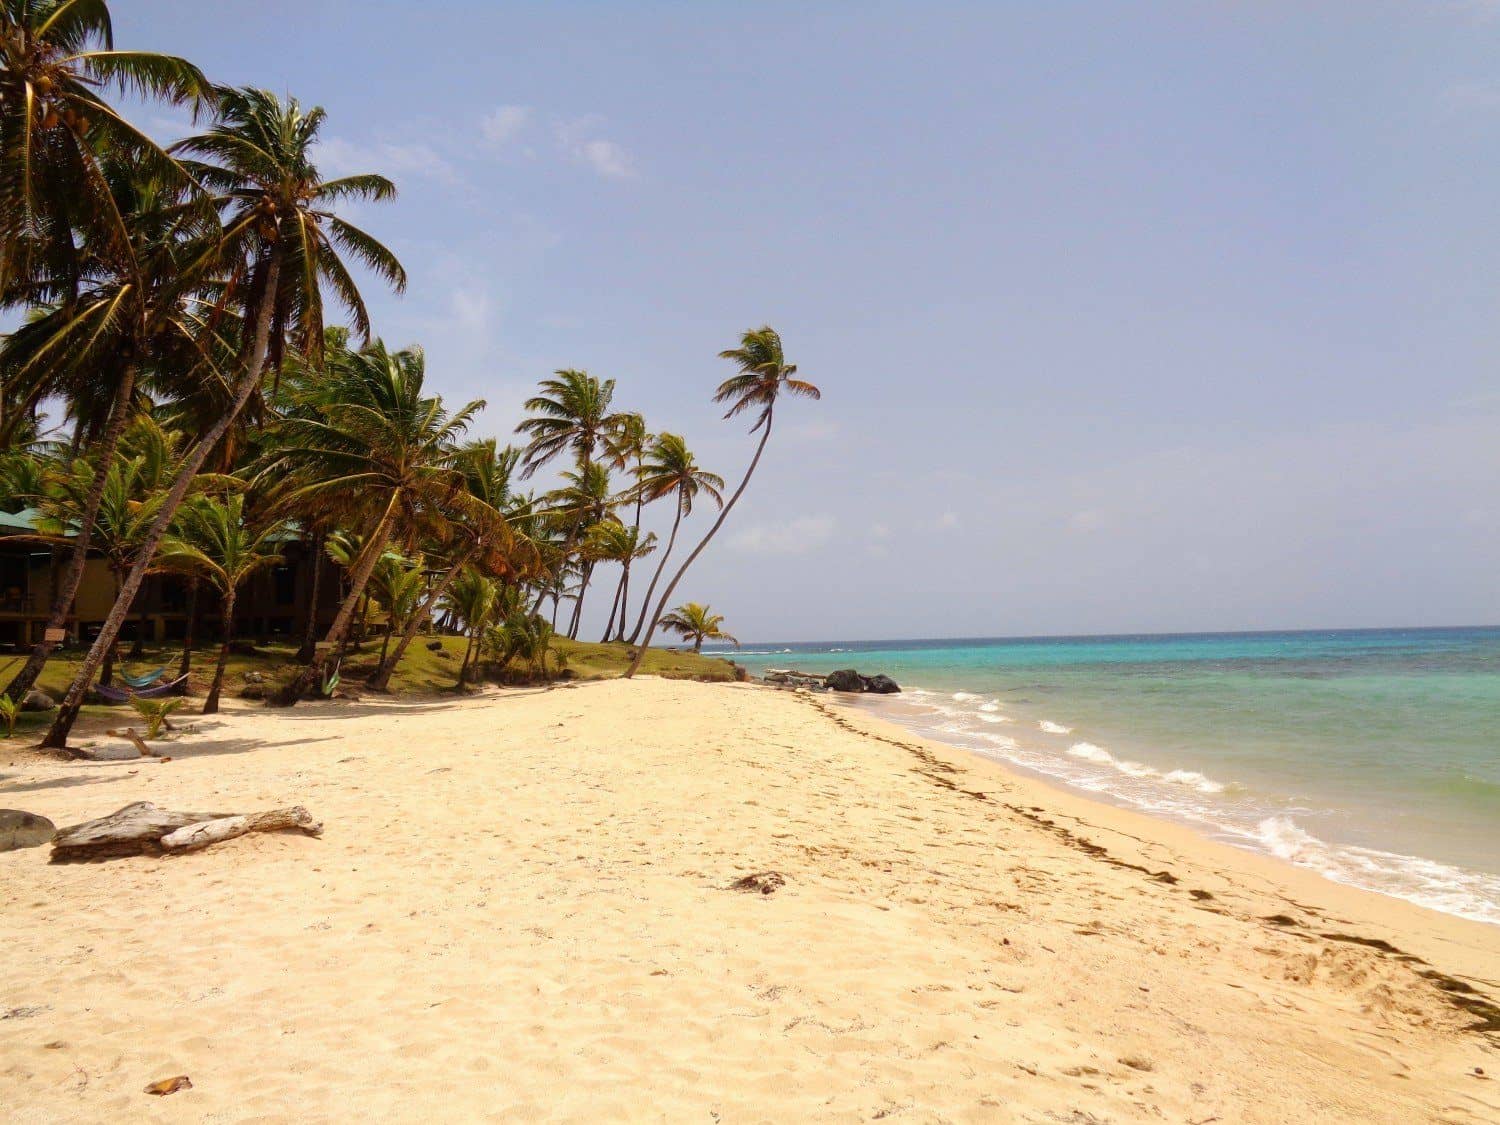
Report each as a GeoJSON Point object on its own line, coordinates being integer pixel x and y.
{"type": "Point", "coordinates": [521, 909]}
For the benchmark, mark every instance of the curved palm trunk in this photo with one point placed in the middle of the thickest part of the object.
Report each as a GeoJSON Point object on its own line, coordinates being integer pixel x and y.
{"type": "Point", "coordinates": [382, 677]}
{"type": "Point", "coordinates": [310, 631]}
{"type": "Point", "coordinates": [698, 550]}
{"type": "Point", "coordinates": [65, 590]}
{"type": "Point", "coordinates": [588, 573]}
{"type": "Point", "coordinates": [614, 610]}
{"type": "Point", "coordinates": [661, 566]}
{"type": "Point", "coordinates": [304, 680]}
{"type": "Point", "coordinates": [67, 713]}
{"type": "Point", "coordinates": [186, 664]}
{"type": "Point", "coordinates": [211, 704]}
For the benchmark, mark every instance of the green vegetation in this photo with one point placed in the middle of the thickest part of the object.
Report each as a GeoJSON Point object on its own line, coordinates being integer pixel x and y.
{"type": "Point", "coordinates": [174, 401]}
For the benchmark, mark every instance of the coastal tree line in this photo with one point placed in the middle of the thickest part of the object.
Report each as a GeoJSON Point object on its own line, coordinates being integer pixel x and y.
{"type": "Point", "coordinates": [194, 379]}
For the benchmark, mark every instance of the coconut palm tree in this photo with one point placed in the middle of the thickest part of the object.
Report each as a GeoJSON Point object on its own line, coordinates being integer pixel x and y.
{"type": "Point", "coordinates": [132, 315]}
{"type": "Point", "coordinates": [697, 623]}
{"type": "Point", "coordinates": [56, 129]}
{"type": "Point", "coordinates": [472, 598]}
{"type": "Point", "coordinates": [571, 412]}
{"type": "Point", "coordinates": [212, 540]}
{"type": "Point", "coordinates": [281, 245]}
{"type": "Point", "coordinates": [764, 375]}
{"type": "Point", "coordinates": [481, 534]}
{"type": "Point", "coordinates": [613, 541]}
{"type": "Point", "coordinates": [584, 499]}
{"type": "Point", "coordinates": [379, 445]}
{"type": "Point", "coordinates": [669, 469]}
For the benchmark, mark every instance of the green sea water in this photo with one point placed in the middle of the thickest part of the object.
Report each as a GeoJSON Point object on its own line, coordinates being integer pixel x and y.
{"type": "Point", "coordinates": [1371, 756]}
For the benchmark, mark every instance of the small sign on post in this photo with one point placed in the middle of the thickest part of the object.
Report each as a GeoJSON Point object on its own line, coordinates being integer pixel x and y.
{"type": "Point", "coordinates": [55, 636]}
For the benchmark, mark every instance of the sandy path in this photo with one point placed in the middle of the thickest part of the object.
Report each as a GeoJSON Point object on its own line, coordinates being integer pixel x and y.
{"type": "Point", "coordinates": [519, 911]}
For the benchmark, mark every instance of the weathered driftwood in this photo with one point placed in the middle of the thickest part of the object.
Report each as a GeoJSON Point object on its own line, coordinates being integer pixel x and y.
{"type": "Point", "coordinates": [208, 832]}
{"type": "Point", "coordinates": [142, 827]}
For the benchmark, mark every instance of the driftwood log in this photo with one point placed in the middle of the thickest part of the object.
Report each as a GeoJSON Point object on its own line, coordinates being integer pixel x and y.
{"type": "Point", "coordinates": [144, 827]}
{"type": "Point", "coordinates": [208, 832]}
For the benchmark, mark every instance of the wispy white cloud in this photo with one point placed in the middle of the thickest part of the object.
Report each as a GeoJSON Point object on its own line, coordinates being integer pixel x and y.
{"type": "Point", "coordinates": [504, 123]}
{"type": "Point", "coordinates": [794, 537]}
{"type": "Point", "coordinates": [578, 138]}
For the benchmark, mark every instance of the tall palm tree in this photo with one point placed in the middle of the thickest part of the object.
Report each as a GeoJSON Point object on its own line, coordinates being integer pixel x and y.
{"type": "Point", "coordinates": [212, 540]}
{"type": "Point", "coordinates": [669, 469]}
{"type": "Point", "coordinates": [376, 440]}
{"type": "Point", "coordinates": [763, 376]}
{"type": "Point", "coordinates": [281, 245]}
{"type": "Point", "coordinates": [697, 623]}
{"type": "Point", "coordinates": [616, 542]}
{"type": "Point", "coordinates": [571, 412]}
{"type": "Point", "coordinates": [584, 500]}
{"type": "Point", "coordinates": [132, 315]}
{"type": "Point", "coordinates": [55, 130]}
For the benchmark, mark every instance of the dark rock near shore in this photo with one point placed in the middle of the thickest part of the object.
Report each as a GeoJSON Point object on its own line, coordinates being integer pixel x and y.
{"type": "Point", "coordinates": [24, 830]}
{"type": "Point", "coordinates": [846, 679]}
{"type": "Point", "coordinates": [881, 685]}
{"type": "Point", "coordinates": [434, 646]}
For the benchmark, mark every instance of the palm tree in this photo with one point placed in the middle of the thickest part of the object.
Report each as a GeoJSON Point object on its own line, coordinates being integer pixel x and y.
{"type": "Point", "coordinates": [212, 540]}
{"type": "Point", "coordinates": [55, 55]}
{"type": "Point", "coordinates": [670, 470]}
{"type": "Point", "coordinates": [763, 376]}
{"type": "Point", "coordinates": [378, 444]}
{"type": "Point", "coordinates": [473, 599]}
{"type": "Point", "coordinates": [481, 532]}
{"type": "Point", "coordinates": [281, 244]}
{"type": "Point", "coordinates": [571, 413]}
{"type": "Point", "coordinates": [697, 623]}
{"type": "Point", "coordinates": [613, 541]}
{"type": "Point", "coordinates": [132, 315]}
{"type": "Point", "coordinates": [584, 500]}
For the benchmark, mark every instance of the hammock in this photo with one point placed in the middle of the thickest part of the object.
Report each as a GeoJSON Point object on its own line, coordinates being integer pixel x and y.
{"type": "Point", "coordinates": [111, 694]}
{"type": "Point", "coordinates": [139, 682]}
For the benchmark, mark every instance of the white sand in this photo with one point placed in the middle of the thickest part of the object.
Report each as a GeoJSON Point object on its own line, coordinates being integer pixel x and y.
{"type": "Point", "coordinates": [519, 911]}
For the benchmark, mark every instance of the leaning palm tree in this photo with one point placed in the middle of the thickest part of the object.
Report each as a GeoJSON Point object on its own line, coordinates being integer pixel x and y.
{"type": "Point", "coordinates": [670, 470]}
{"type": "Point", "coordinates": [133, 314]}
{"type": "Point", "coordinates": [571, 412]}
{"type": "Point", "coordinates": [764, 374]}
{"type": "Point", "coordinates": [55, 129]}
{"type": "Point", "coordinates": [281, 245]}
{"type": "Point", "coordinates": [377, 443]}
{"type": "Point", "coordinates": [212, 540]}
{"type": "Point", "coordinates": [696, 623]}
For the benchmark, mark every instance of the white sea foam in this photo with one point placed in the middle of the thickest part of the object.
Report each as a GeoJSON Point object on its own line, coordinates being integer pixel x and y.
{"type": "Point", "coordinates": [964, 696]}
{"type": "Point", "coordinates": [1090, 753]}
{"type": "Point", "coordinates": [1193, 780]}
{"type": "Point", "coordinates": [983, 718]}
{"type": "Point", "coordinates": [1054, 728]}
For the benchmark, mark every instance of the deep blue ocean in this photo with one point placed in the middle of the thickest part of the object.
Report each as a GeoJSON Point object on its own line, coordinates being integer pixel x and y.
{"type": "Point", "coordinates": [1371, 756]}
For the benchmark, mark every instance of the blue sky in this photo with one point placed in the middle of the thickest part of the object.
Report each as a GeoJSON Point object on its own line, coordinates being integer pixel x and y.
{"type": "Point", "coordinates": [1127, 317]}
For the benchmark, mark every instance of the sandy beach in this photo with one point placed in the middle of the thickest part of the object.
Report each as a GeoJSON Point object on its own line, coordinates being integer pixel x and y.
{"type": "Point", "coordinates": [521, 909]}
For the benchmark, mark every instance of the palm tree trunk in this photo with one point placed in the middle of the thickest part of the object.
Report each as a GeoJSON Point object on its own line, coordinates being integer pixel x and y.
{"type": "Point", "coordinates": [588, 573]}
{"type": "Point", "coordinates": [698, 550]}
{"type": "Point", "coordinates": [463, 668]}
{"type": "Point", "coordinates": [186, 665]}
{"type": "Point", "coordinates": [624, 599]}
{"type": "Point", "coordinates": [338, 631]}
{"type": "Point", "coordinates": [661, 566]}
{"type": "Point", "coordinates": [67, 589]}
{"type": "Point", "coordinates": [382, 677]}
{"type": "Point", "coordinates": [67, 713]}
{"type": "Point", "coordinates": [211, 704]}
{"type": "Point", "coordinates": [614, 609]}
{"type": "Point", "coordinates": [310, 630]}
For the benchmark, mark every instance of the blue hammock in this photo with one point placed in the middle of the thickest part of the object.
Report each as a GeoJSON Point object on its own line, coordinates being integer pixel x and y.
{"type": "Point", "coordinates": [111, 694]}
{"type": "Point", "coordinates": [145, 681]}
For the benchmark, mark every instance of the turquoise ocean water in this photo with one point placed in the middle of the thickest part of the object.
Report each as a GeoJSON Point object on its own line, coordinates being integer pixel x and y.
{"type": "Point", "coordinates": [1370, 756]}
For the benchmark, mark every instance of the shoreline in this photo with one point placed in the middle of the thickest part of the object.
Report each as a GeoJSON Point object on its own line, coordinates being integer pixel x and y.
{"type": "Point", "coordinates": [1221, 832]}
{"type": "Point", "coordinates": [522, 907]}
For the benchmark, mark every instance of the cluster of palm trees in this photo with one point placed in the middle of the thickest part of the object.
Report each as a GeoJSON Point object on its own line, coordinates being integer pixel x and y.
{"type": "Point", "coordinates": [173, 400]}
